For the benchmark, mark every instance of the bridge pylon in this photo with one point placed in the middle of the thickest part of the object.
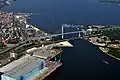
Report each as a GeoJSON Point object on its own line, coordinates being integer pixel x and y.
{"type": "Point", "coordinates": [79, 35]}
{"type": "Point", "coordinates": [62, 31]}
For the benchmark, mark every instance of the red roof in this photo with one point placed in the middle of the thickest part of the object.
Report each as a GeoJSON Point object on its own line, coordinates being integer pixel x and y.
{"type": "Point", "coordinates": [3, 41]}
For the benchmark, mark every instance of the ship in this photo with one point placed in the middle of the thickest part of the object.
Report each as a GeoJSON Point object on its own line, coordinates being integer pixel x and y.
{"type": "Point", "coordinates": [105, 62]}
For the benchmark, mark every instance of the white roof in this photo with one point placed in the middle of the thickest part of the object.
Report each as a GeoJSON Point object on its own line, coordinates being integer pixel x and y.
{"type": "Point", "coordinates": [17, 16]}
{"type": "Point", "coordinates": [64, 44]}
{"type": "Point", "coordinates": [13, 64]}
{"type": "Point", "coordinates": [32, 49]}
{"type": "Point", "coordinates": [27, 25]}
{"type": "Point", "coordinates": [89, 29]}
{"type": "Point", "coordinates": [24, 68]}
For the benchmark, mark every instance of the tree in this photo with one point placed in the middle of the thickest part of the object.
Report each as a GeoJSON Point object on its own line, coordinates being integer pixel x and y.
{"type": "Point", "coordinates": [2, 45]}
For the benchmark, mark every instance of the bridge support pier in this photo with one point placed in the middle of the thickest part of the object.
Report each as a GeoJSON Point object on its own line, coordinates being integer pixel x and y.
{"type": "Point", "coordinates": [79, 35]}
{"type": "Point", "coordinates": [62, 32]}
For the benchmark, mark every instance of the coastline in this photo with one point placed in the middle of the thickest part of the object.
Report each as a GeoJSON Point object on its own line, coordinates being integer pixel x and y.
{"type": "Point", "coordinates": [103, 46]}
{"type": "Point", "coordinates": [103, 52]}
{"type": "Point", "coordinates": [109, 54]}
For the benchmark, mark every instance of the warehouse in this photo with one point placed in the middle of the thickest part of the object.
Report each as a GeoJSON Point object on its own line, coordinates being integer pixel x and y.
{"type": "Point", "coordinates": [28, 70]}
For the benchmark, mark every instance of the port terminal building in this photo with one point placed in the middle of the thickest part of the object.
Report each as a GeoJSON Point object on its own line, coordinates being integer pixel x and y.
{"type": "Point", "coordinates": [26, 68]}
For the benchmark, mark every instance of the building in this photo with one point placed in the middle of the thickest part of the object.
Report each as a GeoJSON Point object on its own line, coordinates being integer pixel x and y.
{"type": "Point", "coordinates": [27, 69]}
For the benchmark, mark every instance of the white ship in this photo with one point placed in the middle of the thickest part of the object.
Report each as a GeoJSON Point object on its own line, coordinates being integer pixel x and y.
{"type": "Point", "coordinates": [105, 61]}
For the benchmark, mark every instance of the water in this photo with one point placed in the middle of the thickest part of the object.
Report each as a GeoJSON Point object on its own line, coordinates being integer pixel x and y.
{"type": "Point", "coordinates": [84, 61]}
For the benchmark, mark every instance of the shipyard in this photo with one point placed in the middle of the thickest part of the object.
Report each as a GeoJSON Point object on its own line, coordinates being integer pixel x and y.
{"type": "Point", "coordinates": [59, 40]}
{"type": "Point", "coordinates": [29, 53]}
{"type": "Point", "coordinates": [26, 52]}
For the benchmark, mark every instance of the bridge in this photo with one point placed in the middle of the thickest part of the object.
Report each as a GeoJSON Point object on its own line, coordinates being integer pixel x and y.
{"type": "Point", "coordinates": [73, 32]}
{"type": "Point", "coordinates": [62, 34]}
{"type": "Point", "coordinates": [66, 33]}
{"type": "Point", "coordinates": [79, 31]}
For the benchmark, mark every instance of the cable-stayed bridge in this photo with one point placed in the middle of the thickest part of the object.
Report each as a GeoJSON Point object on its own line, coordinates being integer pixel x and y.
{"type": "Point", "coordinates": [72, 32]}
{"type": "Point", "coordinates": [60, 34]}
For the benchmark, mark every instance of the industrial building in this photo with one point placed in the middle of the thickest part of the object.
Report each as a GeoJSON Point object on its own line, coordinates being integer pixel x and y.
{"type": "Point", "coordinates": [30, 67]}
{"type": "Point", "coordinates": [27, 69]}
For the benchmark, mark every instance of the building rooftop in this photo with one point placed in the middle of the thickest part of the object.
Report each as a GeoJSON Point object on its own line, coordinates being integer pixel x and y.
{"type": "Point", "coordinates": [21, 66]}
{"type": "Point", "coordinates": [11, 65]}
{"type": "Point", "coordinates": [44, 53]}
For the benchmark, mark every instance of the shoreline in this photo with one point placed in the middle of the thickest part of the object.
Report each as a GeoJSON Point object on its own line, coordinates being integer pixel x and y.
{"type": "Point", "coordinates": [109, 54]}
{"type": "Point", "coordinates": [103, 51]}
{"type": "Point", "coordinates": [95, 44]}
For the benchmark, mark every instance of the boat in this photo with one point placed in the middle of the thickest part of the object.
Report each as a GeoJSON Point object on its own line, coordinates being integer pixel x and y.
{"type": "Point", "coordinates": [105, 61]}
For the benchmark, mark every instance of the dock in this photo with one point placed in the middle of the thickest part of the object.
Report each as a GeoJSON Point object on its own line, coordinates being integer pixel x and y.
{"type": "Point", "coordinates": [51, 69]}
{"type": "Point", "coordinates": [47, 53]}
{"type": "Point", "coordinates": [32, 72]}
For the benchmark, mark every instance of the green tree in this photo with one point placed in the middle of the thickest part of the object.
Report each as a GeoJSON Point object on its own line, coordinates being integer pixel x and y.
{"type": "Point", "coordinates": [2, 45]}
